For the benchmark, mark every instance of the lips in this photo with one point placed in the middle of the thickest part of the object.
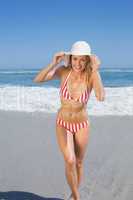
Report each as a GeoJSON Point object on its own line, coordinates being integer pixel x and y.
{"type": "Point", "coordinates": [77, 67]}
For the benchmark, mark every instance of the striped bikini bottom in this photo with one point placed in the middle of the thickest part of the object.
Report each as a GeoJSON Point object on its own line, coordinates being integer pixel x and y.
{"type": "Point", "coordinates": [72, 127]}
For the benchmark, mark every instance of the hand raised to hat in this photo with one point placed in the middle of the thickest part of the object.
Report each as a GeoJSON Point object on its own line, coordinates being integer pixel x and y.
{"type": "Point", "coordinates": [95, 62]}
{"type": "Point", "coordinates": [58, 57]}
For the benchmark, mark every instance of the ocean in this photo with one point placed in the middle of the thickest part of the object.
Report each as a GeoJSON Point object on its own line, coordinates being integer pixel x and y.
{"type": "Point", "coordinates": [19, 93]}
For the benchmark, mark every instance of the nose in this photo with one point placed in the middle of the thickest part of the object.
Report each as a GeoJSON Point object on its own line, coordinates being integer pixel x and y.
{"type": "Point", "coordinates": [78, 62]}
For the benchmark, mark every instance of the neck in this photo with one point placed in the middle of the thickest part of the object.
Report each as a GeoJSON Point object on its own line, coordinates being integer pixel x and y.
{"type": "Point", "coordinates": [78, 75]}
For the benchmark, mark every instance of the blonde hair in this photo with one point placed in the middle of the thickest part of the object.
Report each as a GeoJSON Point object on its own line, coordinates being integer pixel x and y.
{"type": "Point", "coordinates": [87, 70]}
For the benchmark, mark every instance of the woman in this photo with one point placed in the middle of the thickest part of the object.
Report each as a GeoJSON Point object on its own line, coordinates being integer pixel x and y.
{"type": "Point", "coordinates": [78, 78]}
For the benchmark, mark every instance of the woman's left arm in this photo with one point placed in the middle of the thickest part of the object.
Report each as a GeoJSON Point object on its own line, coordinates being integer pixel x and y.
{"type": "Point", "coordinates": [97, 85]}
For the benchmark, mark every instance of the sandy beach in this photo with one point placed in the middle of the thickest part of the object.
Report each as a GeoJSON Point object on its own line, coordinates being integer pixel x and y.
{"type": "Point", "coordinates": [30, 160]}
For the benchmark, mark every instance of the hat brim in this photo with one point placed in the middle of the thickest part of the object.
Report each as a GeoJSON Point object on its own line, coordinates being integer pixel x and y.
{"type": "Point", "coordinates": [76, 54]}
{"type": "Point", "coordinates": [67, 53]}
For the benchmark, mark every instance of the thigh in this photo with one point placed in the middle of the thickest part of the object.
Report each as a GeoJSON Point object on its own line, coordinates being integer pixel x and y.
{"type": "Point", "coordinates": [66, 142]}
{"type": "Point", "coordinates": [81, 141]}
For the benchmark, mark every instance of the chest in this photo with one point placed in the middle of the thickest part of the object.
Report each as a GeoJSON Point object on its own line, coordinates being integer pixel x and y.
{"type": "Point", "coordinates": [76, 87]}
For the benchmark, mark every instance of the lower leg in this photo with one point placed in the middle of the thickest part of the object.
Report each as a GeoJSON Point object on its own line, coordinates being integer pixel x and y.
{"type": "Point", "coordinates": [79, 169]}
{"type": "Point", "coordinates": [71, 175]}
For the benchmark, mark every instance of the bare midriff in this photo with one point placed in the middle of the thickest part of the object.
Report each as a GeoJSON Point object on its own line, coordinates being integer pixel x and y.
{"type": "Point", "coordinates": [72, 111]}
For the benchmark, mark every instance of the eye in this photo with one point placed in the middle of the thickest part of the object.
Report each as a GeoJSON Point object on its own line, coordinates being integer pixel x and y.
{"type": "Point", "coordinates": [74, 58]}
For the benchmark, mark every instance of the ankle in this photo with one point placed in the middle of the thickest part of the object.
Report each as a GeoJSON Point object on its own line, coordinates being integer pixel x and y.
{"type": "Point", "coordinates": [75, 196]}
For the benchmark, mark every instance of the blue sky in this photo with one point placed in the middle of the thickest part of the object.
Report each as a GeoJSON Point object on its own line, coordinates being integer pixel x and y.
{"type": "Point", "coordinates": [31, 31]}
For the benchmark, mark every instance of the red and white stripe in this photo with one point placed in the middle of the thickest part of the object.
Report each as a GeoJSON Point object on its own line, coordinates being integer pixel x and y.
{"type": "Point", "coordinates": [72, 127]}
{"type": "Point", "coordinates": [64, 92]}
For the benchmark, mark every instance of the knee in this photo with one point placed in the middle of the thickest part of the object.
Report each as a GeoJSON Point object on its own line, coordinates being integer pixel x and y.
{"type": "Point", "coordinates": [79, 162]}
{"type": "Point", "coordinates": [70, 161]}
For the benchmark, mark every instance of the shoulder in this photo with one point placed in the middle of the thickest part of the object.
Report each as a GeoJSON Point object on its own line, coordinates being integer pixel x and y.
{"type": "Point", "coordinates": [62, 71]}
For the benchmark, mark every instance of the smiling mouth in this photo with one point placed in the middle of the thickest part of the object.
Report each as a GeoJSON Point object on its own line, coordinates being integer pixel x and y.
{"type": "Point", "coordinates": [77, 67]}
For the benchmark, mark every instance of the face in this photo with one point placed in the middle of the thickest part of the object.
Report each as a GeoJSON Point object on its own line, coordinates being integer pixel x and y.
{"type": "Point", "coordinates": [78, 63]}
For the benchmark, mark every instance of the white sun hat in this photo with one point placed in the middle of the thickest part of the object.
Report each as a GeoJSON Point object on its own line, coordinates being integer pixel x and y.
{"type": "Point", "coordinates": [80, 48]}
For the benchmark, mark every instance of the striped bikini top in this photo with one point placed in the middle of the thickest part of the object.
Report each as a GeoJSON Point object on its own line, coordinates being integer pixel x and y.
{"type": "Point", "coordinates": [64, 92]}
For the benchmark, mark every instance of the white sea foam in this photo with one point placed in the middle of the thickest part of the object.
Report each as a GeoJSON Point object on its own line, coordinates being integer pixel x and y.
{"type": "Point", "coordinates": [18, 71]}
{"type": "Point", "coordinates": [118, 101]}
{"type": "Point", "coordinates": [122, 70]}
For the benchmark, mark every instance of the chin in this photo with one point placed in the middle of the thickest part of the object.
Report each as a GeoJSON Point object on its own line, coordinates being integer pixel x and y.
{"type": "Point", "coordinates": [77, 70]}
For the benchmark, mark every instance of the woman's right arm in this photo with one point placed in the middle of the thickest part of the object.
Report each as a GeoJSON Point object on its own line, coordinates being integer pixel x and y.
{"type": "Point", "coordinates": [52, 71]}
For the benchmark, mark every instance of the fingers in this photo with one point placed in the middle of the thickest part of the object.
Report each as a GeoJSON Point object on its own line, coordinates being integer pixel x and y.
{"type": "Point", "coordinates": [95, 63]}
{"type": "Point", "coordinates": [95, 59]}
{"type": "Point", "coordinates": [61, 53]}
{"type": "Point", "coordinates": [58, 57]}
